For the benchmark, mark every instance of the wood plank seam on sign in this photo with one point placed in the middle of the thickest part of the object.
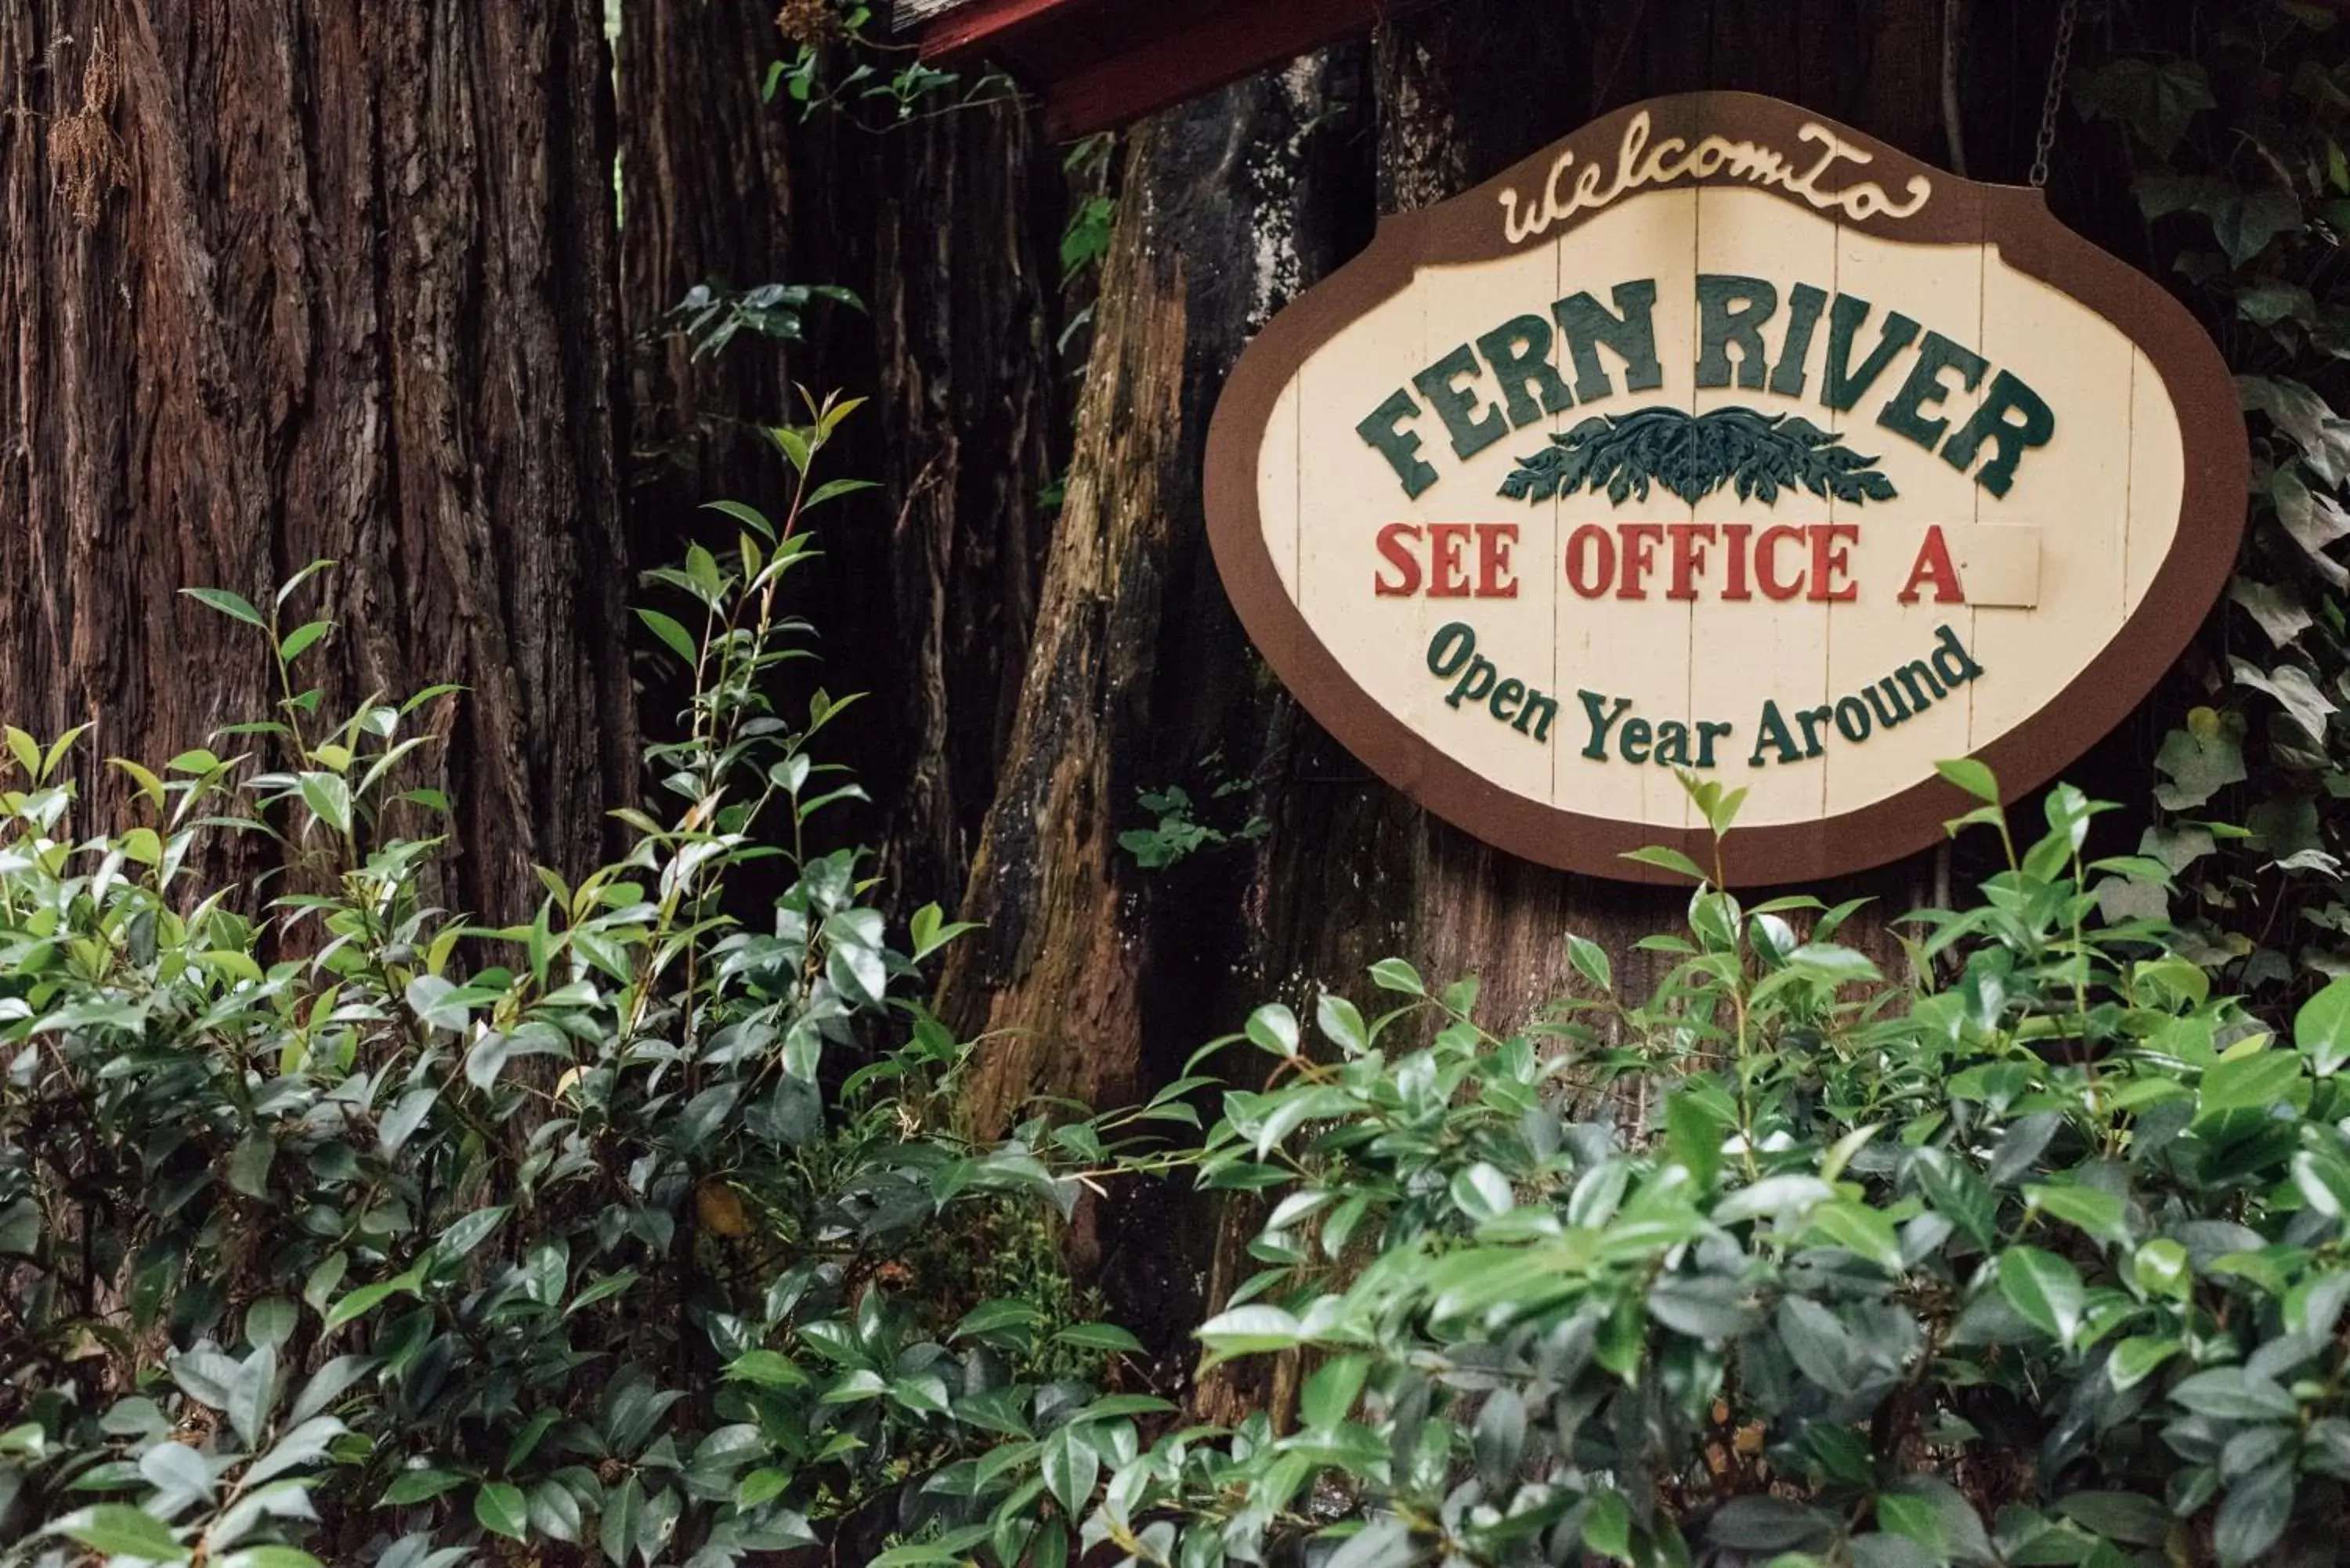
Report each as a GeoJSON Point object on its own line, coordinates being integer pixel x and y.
{"type": "Point", "coordinates": [1676, 808]}
{"type": "Point", "coordinates": [2080, 480]}
{"type": "Point", "coordinates": [1984, 255]}
{"type": "Point", "coordinates": [1761, 655]}
{"type": "Point", "coordinates": [1974, 611]}
{"type": "Point", "coordinates": [2129, 492]}
{"type": "Point", "coordinates": [1297, 494]}
{"type": "Point", "coordinates": [1555, 565]}
{"type": "Point", "coordinates": [1873, 636]}
{"type": "Point", "coordinates": [1840, 426]}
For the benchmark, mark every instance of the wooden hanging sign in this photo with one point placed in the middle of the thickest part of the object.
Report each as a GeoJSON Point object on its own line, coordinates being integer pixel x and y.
{"type": "Point", "coordinates": [1721, 438]}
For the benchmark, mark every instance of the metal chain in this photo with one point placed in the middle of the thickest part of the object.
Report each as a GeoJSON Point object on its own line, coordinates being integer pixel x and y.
{"type": "Point", "coordinates": [2046, 142]}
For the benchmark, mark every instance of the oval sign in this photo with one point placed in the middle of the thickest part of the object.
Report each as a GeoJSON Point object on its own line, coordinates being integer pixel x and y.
{"type": "Point", "coordinates": [1720, 438]}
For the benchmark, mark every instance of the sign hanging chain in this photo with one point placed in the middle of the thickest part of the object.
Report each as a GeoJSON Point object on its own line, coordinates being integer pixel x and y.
{"type": "Point", "coordinates": [2047, 141]}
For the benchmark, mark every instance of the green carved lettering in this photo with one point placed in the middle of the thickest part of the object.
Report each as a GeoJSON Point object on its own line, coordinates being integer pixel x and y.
{"type": "Point", "coordinates": [1845, 384]}
{"type": "Point", "coordinates": [1804, 304]}
{"type": "Point", "coordinates": [1905, 414]}
{"type": "Point", "coordinates": [1630, 331]}
{"type": "Point", "coordinates": [2013, 420]}
{"type": "Point", "coordinates": [1383, 428]}
{"type": "Point", "coordinates": [1519, 352]}
{"type": "Point", "coordinates": [1771, 734]}
{"type": "Point", "coordinates": [1731, 311]}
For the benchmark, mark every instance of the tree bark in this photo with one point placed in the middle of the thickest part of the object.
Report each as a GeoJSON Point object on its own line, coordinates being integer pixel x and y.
{"type": "Point", "coordinates": [1138, 677]}
{"type": "Point", "coordinates": [346, 294]}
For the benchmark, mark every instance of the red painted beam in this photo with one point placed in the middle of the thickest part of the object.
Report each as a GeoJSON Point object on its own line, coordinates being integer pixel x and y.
{"type": "Point", "coordinates": [1098, 64]}
{"type": "Point", "coordinates": [991, 24]}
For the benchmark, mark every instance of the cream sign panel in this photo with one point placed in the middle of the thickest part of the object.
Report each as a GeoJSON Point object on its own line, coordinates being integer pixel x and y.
{"type": "Point", "coordinates": [1720, 440]}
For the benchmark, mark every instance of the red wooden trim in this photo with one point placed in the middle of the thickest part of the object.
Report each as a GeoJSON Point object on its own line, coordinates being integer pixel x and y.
{"type": "Point", "coordinates": [1100, 63]}
{"type": "Point", "coordinates": [1126, 85]}
{"type": "Point", "coordinates": [990, 22]}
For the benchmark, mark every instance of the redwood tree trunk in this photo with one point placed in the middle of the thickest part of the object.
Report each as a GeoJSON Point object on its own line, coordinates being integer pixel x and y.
{"type": "Point", "coordinates": [346, 292]}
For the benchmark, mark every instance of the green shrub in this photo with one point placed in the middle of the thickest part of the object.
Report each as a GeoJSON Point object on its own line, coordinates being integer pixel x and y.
{"type": "Point", "coordinates": [2034, 1254]}
{"type": "Point", "coordinates": [335, 1227]}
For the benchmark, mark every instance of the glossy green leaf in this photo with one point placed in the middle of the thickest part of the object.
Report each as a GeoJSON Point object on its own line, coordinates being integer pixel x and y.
{"type": "Point", "coordinates": [2044, 1289]}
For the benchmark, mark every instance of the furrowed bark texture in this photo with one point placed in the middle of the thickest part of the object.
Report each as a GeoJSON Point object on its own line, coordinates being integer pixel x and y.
{"type": "Point", "coordinates": [348, 295]}
{"type": "Point", "coordinates": [1138, 677]}
{"type": "Point", "coordinates": [944, 229]}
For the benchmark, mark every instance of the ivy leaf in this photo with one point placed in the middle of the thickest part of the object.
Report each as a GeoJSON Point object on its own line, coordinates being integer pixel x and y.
{"type": "Point", "coordinates": [2152, 100]}
{"type": "Point", "coordinates": [2286, 828]}
{"type": "Point", "coordinates": [2244, 227]}
{"type": "Point", "coordinates": [2312, 521]}
{"type": "Point", "coordinates": [2290, 684]}
{"type": "Point", "coordinates": [2264, 302]}
{"type": "Point", "coordinates": [2300, 414]}
{"type": "Point", "coordinates": [2278, 612]}
{"type": "Point", "coordinates": [2161, 193]}
{"type": "Point", "coordinates": [2198, 762]}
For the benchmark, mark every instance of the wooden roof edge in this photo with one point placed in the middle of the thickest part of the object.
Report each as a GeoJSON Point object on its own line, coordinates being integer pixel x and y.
{"type": "Point", "coordinates": [955, 28]}
{"type": "Point", "coordinates": [1111, 85]}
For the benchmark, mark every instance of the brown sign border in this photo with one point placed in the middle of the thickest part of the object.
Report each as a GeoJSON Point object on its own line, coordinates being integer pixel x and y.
{"type": "Point", "coordinates": [1469, 228]}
